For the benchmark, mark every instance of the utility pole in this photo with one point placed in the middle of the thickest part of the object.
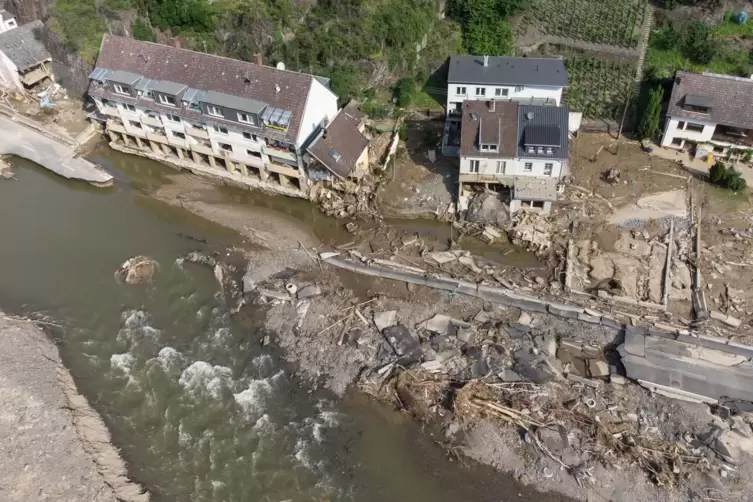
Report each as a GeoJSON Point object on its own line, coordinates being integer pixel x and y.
{"type": "Point", "coordinates": [624, 112]}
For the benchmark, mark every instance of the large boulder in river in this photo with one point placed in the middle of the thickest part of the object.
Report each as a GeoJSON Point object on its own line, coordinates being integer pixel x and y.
{"type": "Point", "coordinates": [137, 270]}
{"type": "Point", "coordinates": [487, 208]}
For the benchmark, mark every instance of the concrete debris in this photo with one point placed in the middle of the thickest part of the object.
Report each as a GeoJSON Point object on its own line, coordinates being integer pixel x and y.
{"type": "Point", "coordinates": [384, 320]}
{"type": "Point", "coordinates": [403, 343]}
{"type": "Point", "coordinates": [440, 257]}
{"type": "Point", "coordinates": [725, 319]}
{"type": "Point", "coordinates": [487, 208]}
{"type": "Point", "coordinates": [309, 291]}
{"type": "Point", "coordinates": [531, 230]}
{"type": "Point", "coordinates": [276, 295]}
{"type": "Point", "coordinates": [490, 234]}
{"type": "Point", "coordinates": [444, 325]}
{"type": "Point", "coordinates": [525, 319]}
{"type": "Point", "coordinates": [469, 262]}
{"type": "Point", "coordinates": [137, 270]}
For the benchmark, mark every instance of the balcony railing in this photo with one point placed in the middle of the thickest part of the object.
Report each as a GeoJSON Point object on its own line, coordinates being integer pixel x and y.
{"type": "Point", "coordinates": [282, 154]}
{"type": "Point", "coordinates": [156, 136]}
{"type": "Point", "coordinates": [154, 122]}
{"type": "Point", "coordinates": [281, 169]}
{"type": "Point", "coordinates": [196, 132]}
{"type": "Point", "coordinates": [115, 126]}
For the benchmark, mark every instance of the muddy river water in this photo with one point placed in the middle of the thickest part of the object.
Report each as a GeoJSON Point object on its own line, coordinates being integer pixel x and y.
{"type": "Point", "coordinates": [200, 410]}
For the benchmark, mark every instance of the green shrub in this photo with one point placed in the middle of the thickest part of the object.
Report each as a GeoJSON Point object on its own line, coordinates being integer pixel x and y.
{"type": "Point", "coordinates": [142, 31]}
{"type": "Point", "coordinates": [727, 177]}
{"type": "Point", "coordinates": [403, 132]}
{"type": "Point", "coordinates": [405, 91]}
{"type": "Point", "coordinates": [648, 125]}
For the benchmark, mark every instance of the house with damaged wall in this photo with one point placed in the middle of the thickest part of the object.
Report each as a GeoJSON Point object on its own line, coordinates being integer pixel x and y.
{"type": "Point", "coordinates": [518, 151]}
{"type": "Point", "coordinates": [24, 60]}
{"type": "Point", "coordinates": [261, 126]}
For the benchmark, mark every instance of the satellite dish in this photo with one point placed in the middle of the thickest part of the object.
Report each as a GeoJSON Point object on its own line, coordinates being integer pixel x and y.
{"type": "Point", "coordinates": [280, 65]}
{"type": "Point", "coordinates": [529, 115]}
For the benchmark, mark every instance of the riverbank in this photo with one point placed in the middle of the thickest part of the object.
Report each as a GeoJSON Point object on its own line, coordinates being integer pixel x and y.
{"type": "Point", "coordinates": [56, 447]}
{"type": "Point", "coordinates": [342, 330]}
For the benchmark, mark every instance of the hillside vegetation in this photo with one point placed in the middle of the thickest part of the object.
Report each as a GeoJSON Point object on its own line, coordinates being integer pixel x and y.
{"type": "Point", "coordinates": [362, 45]}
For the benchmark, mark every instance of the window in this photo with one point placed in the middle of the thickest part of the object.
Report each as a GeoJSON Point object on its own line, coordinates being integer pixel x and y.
{"type": "Point", "coordinates": [166, 100]}
{"type": "Point", "coordinates": [696, 108]}
{"type": "Point", "coordinates": [248, 135]}
{"type": "Point", "coordinates": [528, 167]}
{"type": "Point", "coordinates": [548, 168]}
{"type": "Point", "coordinates": [173, 118]}
{"type": "Point", "coordinates": [540, 150]}
{"type": "Point", "coordinates": [213, 110]}
{"type": "Point", "coordinates": [225, 146]}
{"type": "Point", "coordinates": [253, 154]}
{"type": "Point", "coordinates": [480, 91]}
{"type": "Point", "coordinates": [179, 135]}
{"type": "Point", "coordinates": [681, 125]}
{"type": "Point", "coordinates": [149, 95]}
{"type": "Point", "coordinates": [120, 89]}
{"type": "Point", "coordinates": [246, 118]}
{"type": "Point", "coordinates": [484, 148]}
{"type": "Point", "coordinates": [135, 124]}
{"type": "Point", "coordinates": [531, 149]}
{"type": "Point", "coordinates": [694, 127]}
{"type": "Point", "coordinates": [474, 166]}
{"type": "Point", "coordinates": [549, 150]}
{"type": "Point", "coordinates": [677, 141]}
{"type": "Point", "coordinates": [219, 129]}
{"type": "Point", "coordinates": [501, 92]}
{"type": "Point", "coordinates": [718, 149]}
{"type": "Point", "coordinates": [128, 107]}
{"type": "Point", "coordinates": [501, 166]}
{"type": "Point", "coordinates": [519, 88]}
{"type": "Point", "coordinates": [460, 91]}
{"type": "Point", "coordinates": [488, 148]}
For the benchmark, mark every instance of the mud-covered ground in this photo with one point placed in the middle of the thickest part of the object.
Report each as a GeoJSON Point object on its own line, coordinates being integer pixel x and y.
{"type": "Point", "coordinates": [54, 446]}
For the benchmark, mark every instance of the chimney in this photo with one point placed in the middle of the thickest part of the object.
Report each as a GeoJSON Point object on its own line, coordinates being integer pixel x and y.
{"type": "Point", "coordinates": [176, 43]}
{"type": "Point", "coordinates": [258, 60]}
{"type": "Point", "coordinates": [486, 60]}
{"type": "Point", "coordinates": [492, 105]}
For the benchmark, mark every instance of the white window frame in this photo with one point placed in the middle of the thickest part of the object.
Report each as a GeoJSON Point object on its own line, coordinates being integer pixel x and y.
{"type": "Point", "coordinates": [461, 90]}
{"type": "Point", "coordinates": [480, 92]}
{"type": "Point", "coordinates": [549, 150]}
{"type": "Point", "coordinates": [219, 129]}
{"type": "Point", "coordinates": [501, 167]}
{"type": "Point", "coordinates": [165, 100]}
{"type": "Point", "coordinates": [248, 116]}
{"type": "Point", "coordinates": [173, 118]}
{"type": "Point", "coordinates": [175, 134]}
{"type": "Point", "coordinates": [531, 149]}
{"type": "Point", "coordinates": [528, 167]}
{"type": "Point", "coordinates": [475, 166]}
{"type": "Point", "coordinates": [223, 145]}
{"type": "Point", "coordinates": [214, 111]}
{"type": "Point", "coordinates": [129, 107]}
{"type": "Point", "coordinates": [548, 168]}
{"type": "Point", "coordinates": [119, 89]}
{"type": "Point", "coordinates": [484, 148]}
{"type": "Point", "coordinates": [135, 124]}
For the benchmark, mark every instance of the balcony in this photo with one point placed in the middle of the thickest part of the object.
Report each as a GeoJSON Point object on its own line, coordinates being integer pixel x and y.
{"type": "Point", "coordinates": [200, 147]}
{"type": "Point", "coordinates": [196, 132]}
{"type": "Point", "coordinates": [280, 154]}
{"type": "Point", "coordinates": [280, 169]}
{"type": "Point", "coordinates": [157, 137]}
{"type": "Point", "coordinates": [151, 121]}
{"type": "Point", "coordinates": [732, 136]}
{"type": "Point", "coordinates": [110, 110]}
{"type": "Point", "coordinates": [115, 126]}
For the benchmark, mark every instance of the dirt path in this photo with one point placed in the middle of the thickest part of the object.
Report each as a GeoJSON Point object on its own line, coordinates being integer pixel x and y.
{"type": "Point", "coordinates": [55, 447]}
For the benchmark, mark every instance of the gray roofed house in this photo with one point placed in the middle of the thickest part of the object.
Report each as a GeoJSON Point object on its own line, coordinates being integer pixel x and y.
{"type": "Point", "coordinates": [341, 147]}
{"type": "Point", "coordinates": [22, 45]}
{"type": "Point", "coordinates": [710, 97]}
{"type": "Point", "coordinates": [543, 126]}
{"type": "Point", "coordinates": [167, 87]}
{"type": "Point", "coordinates": [503, 70]}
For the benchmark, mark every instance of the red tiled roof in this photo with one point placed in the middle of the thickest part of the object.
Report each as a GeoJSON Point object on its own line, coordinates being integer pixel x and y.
{"type": "Point", "coordinates": [342, 138]}
{"type": "Point", "coordinates": [505, 113]}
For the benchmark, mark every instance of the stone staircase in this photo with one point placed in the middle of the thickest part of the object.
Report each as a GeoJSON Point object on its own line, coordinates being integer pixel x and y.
{"type": "Point", "coordinates": [648, 23]}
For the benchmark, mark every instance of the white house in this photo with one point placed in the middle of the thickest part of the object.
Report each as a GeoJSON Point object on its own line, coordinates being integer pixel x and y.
{"type": "Point", "coordinates": [245, 118]}
{"type": "Point", "coordinates": [710, 111]}
{"type": "Point", "coordinates": [535, 81]}
{"type": "Point", "coordinates": [7, 21]}
{"type": "Point", "coordinates": [519, 151]}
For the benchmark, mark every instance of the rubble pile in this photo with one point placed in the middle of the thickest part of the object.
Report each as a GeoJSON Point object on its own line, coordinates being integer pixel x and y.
{"type": "Point", "coordinates": [346, 199]}
{"type": "Point", "coordinates": [486, 208]}
{"type": "Point", "coordinates": [531, 230]}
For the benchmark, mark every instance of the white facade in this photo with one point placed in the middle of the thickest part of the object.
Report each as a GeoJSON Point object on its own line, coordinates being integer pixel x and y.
{"type": "Point", "coordinates": [7, 22]}
{"type": "Point", "coordinates": [457, 93]}
{"type": "Point", "coordinates": [9, 78]}
{"type": "Point", "coordinates": [321, 107]}
{"type": "Point", "coordinates": [512, 166]}
{"type": "Point", "coordinates": [677, 130]}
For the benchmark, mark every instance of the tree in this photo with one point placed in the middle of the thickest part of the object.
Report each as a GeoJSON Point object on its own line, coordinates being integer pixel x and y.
{"type": "Point", "coordinates": [648, 125]}
{"type": "Point", "coordinates": [485, 31]}
{"type": "Point", "coordinates": [405, 90]}
{"type": "Point", "coordinates": [696, 44]}
{"type": "Point", "coordinates": [491, 37]}
{"type": "Point", "coordinates": [142, 31]}
{"type": "Point", "coordinates": [727, 177]}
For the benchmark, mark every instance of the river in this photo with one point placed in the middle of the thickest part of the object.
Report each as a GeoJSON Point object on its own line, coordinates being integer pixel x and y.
{"type": "Point", "coordinates": [200, 410]}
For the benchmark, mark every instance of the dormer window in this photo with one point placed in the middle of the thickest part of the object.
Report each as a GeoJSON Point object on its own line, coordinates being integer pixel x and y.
{"type": "Point", "coordinates": [549, 150]}
{"type": "Point", "coordinates": [697, 103]}
{"type": "Point", "coordinates": [540, 150]}
{"type": "Point", "coordinates": [214, 111]}
{"type": "Point", "coordinates": [166, 100]}
{"type": "Point", "coordinates": [531, 149]}
{"type": "Point", "coordinates": [488, 148]}
{"type": "Point", "coordinates": [120, 89]}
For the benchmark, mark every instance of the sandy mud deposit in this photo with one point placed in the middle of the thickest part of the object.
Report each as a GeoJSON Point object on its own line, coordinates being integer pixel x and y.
{"type": "Point", "coordinates": [55, 446]}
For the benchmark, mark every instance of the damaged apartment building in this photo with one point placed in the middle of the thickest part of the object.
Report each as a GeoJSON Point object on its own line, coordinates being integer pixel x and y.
{"type": "Point", "coordinates": [505, 123]}
{"type": "Point", "coordinates": [220, 117]}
